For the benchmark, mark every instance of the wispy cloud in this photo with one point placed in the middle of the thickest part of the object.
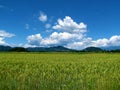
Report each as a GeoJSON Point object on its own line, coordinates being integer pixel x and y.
{"type": "Point", "coordinates": [3, 35]}
{"type": "Point", "coordinates": [42, 17]}
{"type": "Point", "coordinates": [47, 25]}
{"type": "Point", "coordinates": [6, 8]}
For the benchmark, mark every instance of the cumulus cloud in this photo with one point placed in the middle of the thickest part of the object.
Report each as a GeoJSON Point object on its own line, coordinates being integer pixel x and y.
{"type": "Point", "coordinates": [69, 32]}
{"type": "Point", "coordinates": [100, 42]}
{"type": "Point", "coordinates": [62, 38]}
{"type": "Point", "coordinates": [115, 40]}
{"type": "Point", "coordinates": [34, 39]}
{"type": "Point", "coordinates": [81, 44]}
{"type": "Point", "coordinates": [42, 17]}
{"type": "Point", "coordinates": [3, 35]}
{"type": "Point", "coordinates": [72, 35]}
{"type": "Point", "coordinates": [87, 42]}
{"type": "Point", "coordinates": [69, 25]}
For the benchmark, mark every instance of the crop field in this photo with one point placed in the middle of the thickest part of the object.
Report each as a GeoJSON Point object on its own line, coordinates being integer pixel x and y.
{"type": "Point", "coordinates": [59, 71]}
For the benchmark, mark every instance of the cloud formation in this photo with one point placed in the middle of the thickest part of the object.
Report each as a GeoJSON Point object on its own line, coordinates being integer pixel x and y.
{"type": "Point", "coordinates": [3, 35]}
{"type": "Point", "coordinates": [112, 41]}
{"type": "Point", "coordinates": [70, 34]}
{"type": "Point", "coordinates": [68, 25]}
{"type": "Point", "coordinates": [42, 17]}
{"type": "Point", "coordinates": [1, 41]}
{"type": "Point", "coordinates": [34, 39]}
{"type": "Point", "coordinates": [47, 25]}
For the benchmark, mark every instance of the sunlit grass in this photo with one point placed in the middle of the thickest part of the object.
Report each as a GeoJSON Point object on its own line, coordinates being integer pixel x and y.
{"type": "Point", "coordinates": [59, 71]}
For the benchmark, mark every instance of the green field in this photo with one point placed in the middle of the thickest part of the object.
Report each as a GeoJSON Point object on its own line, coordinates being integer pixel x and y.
{"type": "Point", "coordinates": [59, 71]}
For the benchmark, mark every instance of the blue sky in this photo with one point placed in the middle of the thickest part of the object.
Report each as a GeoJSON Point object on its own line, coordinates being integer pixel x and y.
{"type": "Point", "coordinates": [74, 24]}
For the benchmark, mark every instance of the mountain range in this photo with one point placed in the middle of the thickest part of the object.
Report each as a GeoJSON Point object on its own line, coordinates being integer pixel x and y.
{"type": "Point", "coordinates": [35, 49]}
{"type": "Point", "coordinates": [57, 49]}
{"type": "Point", "coordinates": [111, 48]}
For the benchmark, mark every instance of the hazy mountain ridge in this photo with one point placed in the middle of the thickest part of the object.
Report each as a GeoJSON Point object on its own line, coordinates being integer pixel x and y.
{"type": "Point", "coordinates": [35, 49]}
{"type": "Point", "coordinates": [5, 48]}
{"type": "Point", "coordinates": [111, 48]}
{"type": "Point", "coordinates": [57, 49]}
{"type": "Point", "coordinates": [49, 49]}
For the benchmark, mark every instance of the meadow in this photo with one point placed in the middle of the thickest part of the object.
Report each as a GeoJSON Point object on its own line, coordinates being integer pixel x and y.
{"type": "Point", "coordinates": [59, 71]}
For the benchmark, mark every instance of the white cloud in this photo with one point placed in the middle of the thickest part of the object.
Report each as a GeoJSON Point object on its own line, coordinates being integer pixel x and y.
{"type": "Point", "coordinates": [54, 39]}
{"type": "Point", "coordinates": [83, 43]}
{"type": "Point", "coordinates": [100, 42]}
{"type": "Point", "coordinates": [47, 25]}
{"type": "Point", "coordinates": [71, 41]}
{"type": "Point", "coordinates": [70, 32]}
{"type": "Point", "coordinates": [87, 42]}
{"type": "Point", "coordinates": [71, 35]}
{"type": "Point", "coordinates": [112, 41]}
{"type": "Point", "coordinates": [3, 35]}
{"type": "Point", "coordinates": [42, 17]}
{"type": "Point", "coordinates": [2, 42]}
{"type": "Point", "coordinates": [69, 25]}
{"type": "Point", "coordinates": [48, 42]}
{"type": "Point", "coordinates": [34, 39]}
{"type": "Point", "coordinates": [62, 38]}
{"type": "Point", "coordinates": [65, 36]}
{"type": "Point", "coordinates": [115, 40]}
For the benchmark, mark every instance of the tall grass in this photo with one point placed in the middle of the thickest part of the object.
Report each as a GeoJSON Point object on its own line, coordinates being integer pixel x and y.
{"type": "Point", "coordinates": [59, 71]}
